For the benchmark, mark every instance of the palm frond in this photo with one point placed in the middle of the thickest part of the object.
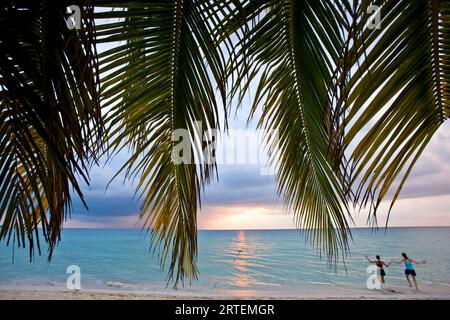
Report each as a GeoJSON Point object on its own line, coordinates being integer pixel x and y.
{"type": "Point", "coordinates": [50, 112]}
{"type": "Point", "coordinates": [162, 77]}
{"type": "Point", "coordinates": [398, 95]}
{"type": "Point", "coordinates": [292, 48]}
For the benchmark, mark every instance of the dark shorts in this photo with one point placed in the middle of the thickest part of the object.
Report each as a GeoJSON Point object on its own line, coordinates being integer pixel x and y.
{"type": "Point", "coordinates": [382, 273]}
{"type": "Point", "coordinates": [410, 272]}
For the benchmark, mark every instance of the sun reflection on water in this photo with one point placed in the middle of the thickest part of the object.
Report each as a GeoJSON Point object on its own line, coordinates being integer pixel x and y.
{"type": "Point", "coordinates": [242, 277]}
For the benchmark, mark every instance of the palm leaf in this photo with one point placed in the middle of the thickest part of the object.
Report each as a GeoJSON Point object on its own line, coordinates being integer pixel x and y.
{"type": "Point", "coordinates": [50, 115]}
{"type": "Point", "coordinates": [398, 95]}
{"type": "Point", "coordinates": [292, 48]}
{"type": "Point", "coordinates": [160, 78]}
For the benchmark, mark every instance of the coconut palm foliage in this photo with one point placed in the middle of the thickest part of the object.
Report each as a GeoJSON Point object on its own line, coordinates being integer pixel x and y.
{"type": "Point", "coordinates": [354, 105]}
{"type": "Point", "coordinates": [292, 49]}
{"type": "Point", "coordinates": [397, 94]}
{"type": "Point", "coordinates": [49, 117]}
{"type": "Point", "coordinates": [161, 78]}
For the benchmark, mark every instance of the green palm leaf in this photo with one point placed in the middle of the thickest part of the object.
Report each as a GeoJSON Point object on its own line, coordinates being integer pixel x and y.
{"type": "Point", "coordinates": [293, 47]}
{"type": "Point", "coordinates": [161, 78]}
{"type": "Point", "coordinates": [50, 116]}
{"type": "Point", "coordinates": [398, 95]}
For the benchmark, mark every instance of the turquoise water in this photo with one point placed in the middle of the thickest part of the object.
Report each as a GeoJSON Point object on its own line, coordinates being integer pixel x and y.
{"type": "Point", "coordinates": [236, 262]}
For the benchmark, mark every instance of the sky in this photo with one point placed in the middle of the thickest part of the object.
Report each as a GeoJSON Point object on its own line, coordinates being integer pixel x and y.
{"type": "Point", "coordinates": [245, 199]}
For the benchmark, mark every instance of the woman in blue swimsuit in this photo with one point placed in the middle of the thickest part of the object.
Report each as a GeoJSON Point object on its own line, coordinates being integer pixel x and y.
{"type": "Point", "coordinates": [409, 269]}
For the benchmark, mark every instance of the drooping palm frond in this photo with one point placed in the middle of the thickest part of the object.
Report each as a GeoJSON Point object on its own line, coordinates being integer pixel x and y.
{"type": "Point", "coordinates": [50, 116]}
{"type": "Point", "coordinates": [398, 94]}
{"type": "Point", "coordinates": [292, 48]}
{"type": "Point", "coordinates": [161, 78]}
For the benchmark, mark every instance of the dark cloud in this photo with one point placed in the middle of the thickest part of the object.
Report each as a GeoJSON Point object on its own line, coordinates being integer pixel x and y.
{"type": "Point", "coordinates": [240, 184]}
{"type": "Point", "coordinates": [107, 197]}
{"type": "Point", "coordinates": [106, 206]}
{"type": "Point", "coordinates": [243, 184]}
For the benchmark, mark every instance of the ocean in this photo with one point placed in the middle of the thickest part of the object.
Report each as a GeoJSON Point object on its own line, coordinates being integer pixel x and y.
{"type": "Point", "coordinates": [240, 263]}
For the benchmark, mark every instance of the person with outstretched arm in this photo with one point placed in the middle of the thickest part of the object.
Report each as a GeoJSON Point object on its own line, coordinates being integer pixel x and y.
{"type": "Point", "coordinates": [409, 269]}
{"type": "Point", "coordinates": [380, 264]}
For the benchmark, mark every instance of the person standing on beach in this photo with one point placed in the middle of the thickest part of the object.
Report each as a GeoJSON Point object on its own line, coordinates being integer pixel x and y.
{"type": "Point", "coordinates": [380, 264]}
{"type": "Point", "coordinates": [409, 269]}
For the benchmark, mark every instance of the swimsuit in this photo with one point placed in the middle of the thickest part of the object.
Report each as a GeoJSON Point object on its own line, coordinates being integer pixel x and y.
{"type": "Point", "coordinates": [379, 264]}
{"type": "Point", "coordinates": [409, 268]}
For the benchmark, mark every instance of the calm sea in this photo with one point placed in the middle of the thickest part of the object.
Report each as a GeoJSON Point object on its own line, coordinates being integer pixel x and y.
{"type": "Point", "coordinates": [235, 262]}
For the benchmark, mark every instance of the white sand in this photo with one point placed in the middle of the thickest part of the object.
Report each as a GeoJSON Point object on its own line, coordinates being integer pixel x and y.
{"type": "Point", "coordinates": [23, 292]}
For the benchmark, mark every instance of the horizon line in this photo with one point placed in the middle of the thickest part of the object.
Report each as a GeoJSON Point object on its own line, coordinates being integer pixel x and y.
{"type": "Point", "coordinates": [262, 229]}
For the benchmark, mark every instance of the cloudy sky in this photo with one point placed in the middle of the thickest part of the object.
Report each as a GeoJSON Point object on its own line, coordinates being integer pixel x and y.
{"type": "Point", "coordinates": [245, 199]}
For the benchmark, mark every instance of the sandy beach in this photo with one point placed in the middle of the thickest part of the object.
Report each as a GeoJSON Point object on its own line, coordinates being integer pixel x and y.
{"type": "Point", "coordinates": [432, 292]}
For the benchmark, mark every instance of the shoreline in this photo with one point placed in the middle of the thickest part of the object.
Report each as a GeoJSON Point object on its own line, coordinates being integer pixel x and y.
{"type": "Point", "coordinates": [42, 292]}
